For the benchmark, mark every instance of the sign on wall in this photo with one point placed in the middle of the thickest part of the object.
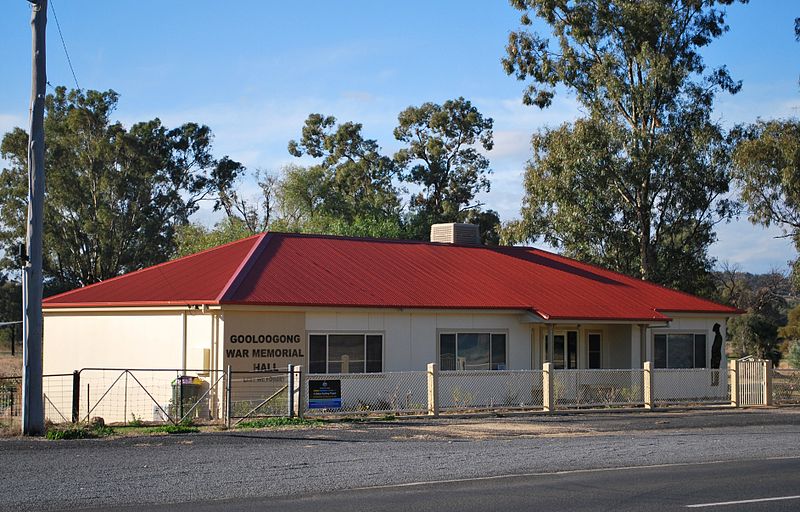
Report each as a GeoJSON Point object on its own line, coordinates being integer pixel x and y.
{"type": "Point", "coordinates": [324, 394]}
{"type": "Point", "coordinates": [264, 342]}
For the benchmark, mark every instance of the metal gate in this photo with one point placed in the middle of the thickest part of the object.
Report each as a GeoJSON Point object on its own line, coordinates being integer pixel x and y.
{"type": "Point", "coordinates": [752, 381]}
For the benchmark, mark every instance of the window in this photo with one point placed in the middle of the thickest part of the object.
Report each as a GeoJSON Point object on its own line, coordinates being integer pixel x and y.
{"type": "Point", "coordinates": [472, 351]}
{"type": "Point", "coordinates": [345, 353]}
{"type": "Point", "coordinates": [679, 350]}
{"type": "Point", "coordinates": [595, 352]}
{"type": "Point", "coordinates": [565, 350]}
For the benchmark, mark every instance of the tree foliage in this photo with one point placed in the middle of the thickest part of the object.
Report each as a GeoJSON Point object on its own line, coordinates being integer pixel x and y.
{"type": "Point", "coordinates": [352, 183]}
{"type": "Point", "coordinates": [639, 182]}
{"type": "Point", "coordinates": [767, 170]}
{"type": "Point", "coordinates": [441, 156]}
{"type": "Point", "coordinates": [114, 196]}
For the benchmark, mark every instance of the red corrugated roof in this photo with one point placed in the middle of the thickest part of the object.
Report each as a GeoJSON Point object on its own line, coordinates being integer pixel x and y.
{"type": "Point", "coordinates": [316, 270]}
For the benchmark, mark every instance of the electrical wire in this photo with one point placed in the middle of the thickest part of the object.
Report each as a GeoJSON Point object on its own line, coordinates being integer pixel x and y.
{"type": "Point", "coordinates": [64, 44]}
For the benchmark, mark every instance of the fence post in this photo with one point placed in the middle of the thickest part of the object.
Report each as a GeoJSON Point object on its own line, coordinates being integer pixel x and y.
{"type": "Point", "coordinates": [433, 389]}
{"type": "Point", "coordinates": [547, 387]}
{"type": "Point", "coordinates": [228, 396]}
{"type": "Point", "coordinates": [76, 396]}
{"type": "Point", "coordinates": [300, 400]}
{"type": "Point", "coordinates": [648, 384]}
{"type": "Point", "coordinates": [767, 382]}
{"type": "Point", "coordinates": [290, 390]}
{"type": "Point", "coordinates": [733, 370]}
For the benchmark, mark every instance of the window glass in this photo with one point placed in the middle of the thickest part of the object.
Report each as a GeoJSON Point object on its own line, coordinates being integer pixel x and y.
{"type": "Point", "coordinates": [680, 351]}
{"type": "Point", "coordinates": [660, 348]}
{"type": "Point", "coordinates": [595, 354]}
{"type": "Point", "coordinates": [473, 351]}
{"type": "Point", "coordinates": [558, 351]}
{"type": "Point", "coordinates": [374, 353]}
{"type": "Point", "coordinates": [346, 353]}
{"type": "Point", "coordinates": [699, 350]}
{"type": "Point", "coordinates": [447, 352]}
{"type": "Point", "coordinates": [572, 350]}
{"type": "Point", "coordinates": [317, 353]}
{"type": "Point", "coordinates": [499, 352]}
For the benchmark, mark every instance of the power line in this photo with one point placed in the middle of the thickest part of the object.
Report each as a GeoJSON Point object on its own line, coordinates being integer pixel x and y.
{"type": "Point", "coordinates": [64, 44]}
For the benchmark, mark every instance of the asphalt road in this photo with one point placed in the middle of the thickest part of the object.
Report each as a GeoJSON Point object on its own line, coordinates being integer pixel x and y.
{"type": "Point", "coordinates": [532, 462]}
{"type": "Point", "coordinates": [747, 485]}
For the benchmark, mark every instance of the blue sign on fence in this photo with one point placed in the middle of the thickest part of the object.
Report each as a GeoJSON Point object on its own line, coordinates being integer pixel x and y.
{"type": "Point", "coordinates": [324, 394]}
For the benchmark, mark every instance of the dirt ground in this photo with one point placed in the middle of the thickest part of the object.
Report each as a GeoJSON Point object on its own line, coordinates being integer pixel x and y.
{"type": "Point", "coordinates": [10, 366]}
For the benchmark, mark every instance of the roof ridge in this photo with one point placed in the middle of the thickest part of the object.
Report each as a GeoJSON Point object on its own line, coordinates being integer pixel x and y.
{"type": "Point", "coordinates": [156, 267]}
{"type": "Point", "coordinates": [244, 267]}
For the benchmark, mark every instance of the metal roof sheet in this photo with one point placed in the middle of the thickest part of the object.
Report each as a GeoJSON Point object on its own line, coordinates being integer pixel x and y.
{"type": "Point", "coordinates": [317, 270]}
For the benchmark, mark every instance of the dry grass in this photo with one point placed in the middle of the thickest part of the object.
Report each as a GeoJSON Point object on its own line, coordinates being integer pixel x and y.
{"type": "Point", "coordinates": [10, 366]}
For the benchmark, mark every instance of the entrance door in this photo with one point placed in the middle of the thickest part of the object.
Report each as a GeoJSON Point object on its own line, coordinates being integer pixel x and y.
{"type": "Point", "coordinates": [565, 350]}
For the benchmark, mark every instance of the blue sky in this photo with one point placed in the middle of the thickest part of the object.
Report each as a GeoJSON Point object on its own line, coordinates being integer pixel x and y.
{"type": "Point", "coordinates": [253, 71]}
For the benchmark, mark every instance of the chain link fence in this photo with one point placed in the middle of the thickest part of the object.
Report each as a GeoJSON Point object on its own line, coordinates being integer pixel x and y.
{"type": "Point", "coordinates": [259, 395]}
{"type": "Point", "coordinates": [463, 390]}
{"type": "Point", "coordinates": [687, 386]}
{"type": "Point", "coordinates": [786, 386]}
{"type": "Point", "coordinates": [598, 388]}
{"type": "Point", "coordinates": [389, 392]}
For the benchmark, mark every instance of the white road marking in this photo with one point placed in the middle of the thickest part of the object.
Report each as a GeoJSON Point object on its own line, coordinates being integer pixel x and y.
{"type": "Point", "coordinates": [568, 472]}
{"type": "Point", "coordinates": [759, 500]}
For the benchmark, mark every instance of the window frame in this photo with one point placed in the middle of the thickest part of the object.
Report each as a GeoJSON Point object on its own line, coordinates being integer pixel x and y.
{"type": "Point", "coordinates": [694, 334]}
{"type": "Point", "coordinates": [589, 349]}
{"type": "Point", "coordinates": [456, 332]}
{"type": "Point", "coordinates": [565, 334]}
{"type": "Point", "coordinates": [328, 335]}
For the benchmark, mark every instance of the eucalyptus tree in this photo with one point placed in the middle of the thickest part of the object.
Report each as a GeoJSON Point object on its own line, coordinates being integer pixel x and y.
{"type": "Point", "coordinates": [639, 182]}
{"type": "Point", "coordinates": [115, 196]}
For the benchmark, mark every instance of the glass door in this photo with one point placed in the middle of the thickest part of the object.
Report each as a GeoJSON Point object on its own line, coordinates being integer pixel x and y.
{"type": "Point", "coordinates": [565, 350]}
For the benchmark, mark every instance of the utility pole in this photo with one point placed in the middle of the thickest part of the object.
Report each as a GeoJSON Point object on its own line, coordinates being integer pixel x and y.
{"type": "Point", "coordinates": [32, 400]}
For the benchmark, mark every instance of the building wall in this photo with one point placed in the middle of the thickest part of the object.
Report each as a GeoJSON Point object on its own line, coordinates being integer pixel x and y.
{"type": "Point", "coordinates": [78, 340]}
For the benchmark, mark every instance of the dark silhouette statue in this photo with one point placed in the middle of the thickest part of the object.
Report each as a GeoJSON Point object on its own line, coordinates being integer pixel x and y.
{"type": "Point", "coordinates": [716, 355]}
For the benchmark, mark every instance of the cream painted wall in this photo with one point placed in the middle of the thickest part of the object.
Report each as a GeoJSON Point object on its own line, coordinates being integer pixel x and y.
{"type": "Point", "coordinates": [411, 339]}
{"type": "Point", "coordinates": [112, 340]}
{"type": "Point", "coordinates": [693, 324]}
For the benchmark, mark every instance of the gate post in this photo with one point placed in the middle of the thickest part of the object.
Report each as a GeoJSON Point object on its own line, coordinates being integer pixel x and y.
{"type": "Point", "coordinates": [547, 387]}
{"type": "Point", "coordinates": [228, 396]}
{"type": "Point", "coordinates": [433, 389]}
{"type": "Point", "coordinates": [767, 382]}
{"type": "Point", "coordinates": [290, 390]}
{"type": "Point", "coordinates": [733, 369]}
{"type": "Point", "coordinates": [300, 398]}
{"type": "Point", "coordinates": [648, 384]}
{"type": "Point", "coordinates": [76, 396]}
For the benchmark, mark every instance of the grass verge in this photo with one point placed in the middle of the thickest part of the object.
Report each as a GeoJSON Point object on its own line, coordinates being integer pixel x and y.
{"type": "Point", "coordinates": [78, 432]}
{"type": "Point", "coordinates": [279, 422]}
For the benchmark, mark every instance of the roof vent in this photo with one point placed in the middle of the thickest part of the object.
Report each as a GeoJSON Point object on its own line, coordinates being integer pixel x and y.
{"type": "Point", "coordinates": [456, 233]}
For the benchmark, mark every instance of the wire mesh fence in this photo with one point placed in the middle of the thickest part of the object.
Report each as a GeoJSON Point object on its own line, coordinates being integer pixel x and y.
{"type": "Point", "coordinates": [490, 389]}
{"type": "Point", "coordinates": [150, 395]}
{"type": "Point", "coordinates": [259, 394]}
{"type": "Point", "coordinates": [786, 386]}
{"type": "Point", "coordinates": [389, 392]}
{"type": "Point", "coordinates": [598, 388]}
{"type": "Point", "coordinates": [10, 398]}
{"type": "Point", "coordinates": [687, 386]}
{"type": "Point", "coordinates": [57, 397]}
